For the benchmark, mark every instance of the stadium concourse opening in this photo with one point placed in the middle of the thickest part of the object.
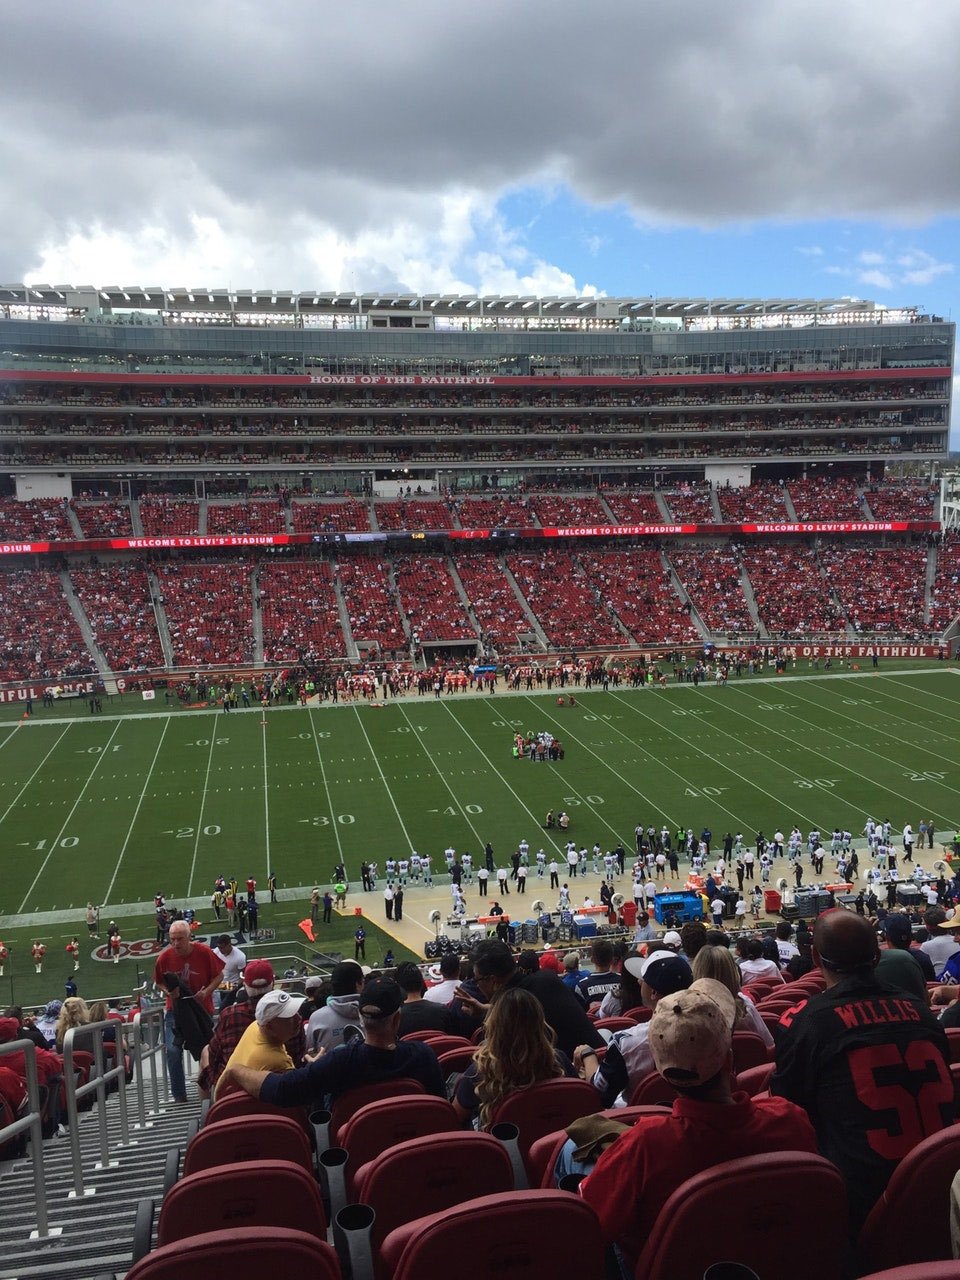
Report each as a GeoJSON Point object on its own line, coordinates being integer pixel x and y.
{"type": "Point", "coordinates": [452, 628]}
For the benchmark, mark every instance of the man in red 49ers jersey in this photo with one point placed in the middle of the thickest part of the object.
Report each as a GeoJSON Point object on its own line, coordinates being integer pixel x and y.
{"type": "Point", "coordinates": [866, 1061]}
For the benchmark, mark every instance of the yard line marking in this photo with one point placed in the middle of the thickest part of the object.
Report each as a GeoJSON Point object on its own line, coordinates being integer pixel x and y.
{"type": "Point", "coordinates": [376, 761]}
{"type": "Point", "coordinates": [326, 785]}
{"type": "Point", "coordinates": [911, 800]}
{"type": "Point", "coordinates": [136, 812]}
{"type": "Point", "coordinates": [23, 789]}
{"type": "Point", "coordinates": [59, 836]}
{"type": "Point", "coordinates": [495, 770]}
{"type": "Point", "coordinates": [266, 800]}
{"type": "Point", "coordinates": [947, 715]}
{"type": "Point", "coordinates": [874, 729]}
{"type": "Point", "coordinates": [203, 801]}
{"type": "Point", "coordinates": [714, 759]}
{"type": "Point", "coordinates": [10, 736]}
{"type": "Point", "coordinates": [423, 746]}
{"type": "Point", "coordinates": [569, 734]}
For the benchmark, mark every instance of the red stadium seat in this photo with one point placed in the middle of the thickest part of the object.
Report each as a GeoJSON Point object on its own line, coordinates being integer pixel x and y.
{"type": "Point", "coordinates": [615, 1024]}
{"type": "Point", "coordinates": [755, 1080]}
{"type": "Point", "coordinates": [749, 1051]}
{"type": "Point", "coordinates": [526, 1235]}
{"type": "Point", "coordinates": [256, 1137]}
{"type": "Point", "coordinates": [380, 1125]}
{"type": "Point", "coordinates": [445, 1168]}
{"type": "Point", "coordinates": [242, 1253]}
{"type": "Point", "coordinates": [761, 1194]}
{"type": "Point", "coordinates": [653, 1090]}
{"type": "Point", "coordinates": [917, 1194]}
{"type": "Point", "coordinates": [544, 1108]}
{"type": "Point", "coordinates": [455, 1060]}
{"type": "Point", "coordinates": [924, 1271]}
{"type": "Point", "coordinates": [281, 1194]}
{"type": "Point", "coordinates": [348, 1104]}
{"type": "Point", "coordinates": [639, 1013]}
{"type": "Point", "coordinates": [239, 1105]}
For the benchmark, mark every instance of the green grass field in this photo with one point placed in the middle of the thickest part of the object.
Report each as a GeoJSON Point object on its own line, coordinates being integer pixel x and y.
{"type": "Point", "coordinates": [113, 808]}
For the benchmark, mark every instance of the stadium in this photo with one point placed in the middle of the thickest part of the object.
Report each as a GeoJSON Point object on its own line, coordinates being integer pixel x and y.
{"type": "Point", "coordinates": [294, 585]}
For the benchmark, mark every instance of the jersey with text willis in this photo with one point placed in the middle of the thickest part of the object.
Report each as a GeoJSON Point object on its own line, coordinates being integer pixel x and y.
{"type": "Point", "coordinates": [869, 1065]}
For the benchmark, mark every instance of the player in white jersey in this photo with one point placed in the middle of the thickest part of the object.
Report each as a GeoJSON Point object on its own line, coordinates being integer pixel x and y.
{"type": "Point", "coordinates": [390, 867]}
{"type": "Point", "coordinates": [541, 863]}
{"type": "Point", "coordinates": [403, 870]}
{"type": "Point", "coordinates": [466, 863]}
{"type": "Point", "coordinates": [524, 850]}
{"type": "Point", "coordinates": [415, 868]}
{"type": "Point", "coordinates": [596, 859]}
{"type": "Point", "coordinates": [609, 865]}
{"type": "Point", "coordinates": [425, 867]}
{"type": "Point", "coordinates": [449, 856]}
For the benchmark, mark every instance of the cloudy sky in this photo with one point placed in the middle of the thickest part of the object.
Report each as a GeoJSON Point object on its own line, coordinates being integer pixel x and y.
{"type": "Point", "coordinates": [757, 147]}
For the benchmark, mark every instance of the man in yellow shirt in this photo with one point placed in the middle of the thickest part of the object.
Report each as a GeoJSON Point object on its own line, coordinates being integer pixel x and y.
{"type": "Point", "coordinates": [263, 1044]}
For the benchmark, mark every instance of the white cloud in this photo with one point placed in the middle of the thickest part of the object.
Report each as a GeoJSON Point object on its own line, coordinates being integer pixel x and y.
{"type": "Point", "coordinates": [876, 279]}
{"type": "Point", "coordinates": [871, 259]}
{"type": "Point", "coordinates": [235, 142]}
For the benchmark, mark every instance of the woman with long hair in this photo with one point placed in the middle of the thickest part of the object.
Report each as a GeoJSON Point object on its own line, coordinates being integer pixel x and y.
{"type": "Point", "coordinates": [718, 963]}
{"type": "Point", "coordinates": [518, 1050]}
{"type": "Point", "coordinates": [73, 1014]}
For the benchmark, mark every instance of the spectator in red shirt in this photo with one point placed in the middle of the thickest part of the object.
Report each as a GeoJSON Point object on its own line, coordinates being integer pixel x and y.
{"type": "Point", "coordinates": [691, 1036]}
{"type": "Point", "coordinates": [194, 964]}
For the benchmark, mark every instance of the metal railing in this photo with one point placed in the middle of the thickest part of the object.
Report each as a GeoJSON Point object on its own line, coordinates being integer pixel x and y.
{"type": "Point", "coordinates": [98, 1083]}
{"type": "Point", "coordinates": [148, 1046]}
{"type": "Point", "coordinates": [31, 1123]}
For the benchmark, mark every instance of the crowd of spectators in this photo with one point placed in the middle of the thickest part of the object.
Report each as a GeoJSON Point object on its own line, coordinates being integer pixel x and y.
{"type": "Point", "coordinates": [761, 501]}
{"type": "Point", "coordinates": [413, 513]}
{"type": "Point", "coordinates": [310, 515]}
{"type": "Point", "coordinates": [209, 610]}
{"type": "Point", "coordinates": [39, 636]}
{"type": "Point", "coordinates": [827, 498]}
{"type": "Point", "coordinates": [371, 604]}
{"type": "Point", "coordinates": [493, 600]}
{"type": "Point", "coordinates": [118, 603]}
{"type": "Point", "coordinates": [298, 606]}
{"type": "Point", "coordinates": [163, 515]}
{"type": "Point", "coordinates": [792, 595]}
{"type": "Point", "coordinates": [104, 519]}
{"type": "Point", "coordinates": [262, 515]}
{"type": "Point", "coordinates": [568, 606]}
{"type": "Point", "coordinates": [881, 589]}
{"type": "Point", "coordinates": [711, 578]}
{"type": "Point", "coordinates": [636, 584]}
{"type": "Point", "coordinates": [39, 520]}
{"type": "Point", "coordinates": [429, 598]}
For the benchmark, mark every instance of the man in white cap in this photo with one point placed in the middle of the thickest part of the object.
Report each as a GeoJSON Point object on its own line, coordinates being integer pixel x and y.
{"type": "Point", "coordinates": [378, 1056]}
{"type": "Point", "coordinates": [691, 1040]}
{"type": "Point", "coordinates": [258, 979]}
{"type": "Point", "coordinates": [263, 1045]}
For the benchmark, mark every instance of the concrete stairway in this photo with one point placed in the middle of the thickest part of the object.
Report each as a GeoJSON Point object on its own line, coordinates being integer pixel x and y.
{"type": "Point", "coordinates": [83, 622]}
{"type": "Point", "coordinates": [668, 517]}
{"type": "Point", "coordinates": [74, 521]}
{"type": "Point", "coordinates": [681, 591]}
{"type": "Point", "coordinates": [535, 626]}
{"type": "Point", "coordinates": [788, 503]}
{"type": "Point", "coordinates": [163, 629]}
{"type": "Point", "coordinates": [464, 598]}
{"type": "Point", "coordinates": [135, 522]}
{"type": "Point", "coordinates": [751, 600]}
{"type": "Point", "coordinates": [96, 1232]}
{"type": "Point", "coordinates": [928, 583]}
{"type": "Point", "coordinates": [353, 653]}
{"type": "Point", "coordinates": [257, 616]}
{"type": "Point", "coordinates": [202, 516]}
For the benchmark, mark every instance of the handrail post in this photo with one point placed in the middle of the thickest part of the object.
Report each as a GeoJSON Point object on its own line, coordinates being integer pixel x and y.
{"type": "Point", "coordinates": [70, 1088]}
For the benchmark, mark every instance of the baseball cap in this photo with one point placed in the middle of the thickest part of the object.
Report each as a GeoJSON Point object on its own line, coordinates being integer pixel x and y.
{"type": "Point", "coordinates": [277, 1004]}
{"type": "Point", "coordinates": [952, 921]}
{"type": "Point", "coordinates": [311, 984]}
{"type": "Point", "coordinates": [380, 998]}
{"type": "Point", "coordinates": [550, 960]}
{"type": "Point", "coordinates": [258, 975]}
{"type": "Point", "coordinates": [672, 939]}
{"type": "Point", "coordinates": [663, 971]}
{"type": "Point", "coordinates": [691, 1033]}
{"type": "Point", "coordinates": [897, 928]}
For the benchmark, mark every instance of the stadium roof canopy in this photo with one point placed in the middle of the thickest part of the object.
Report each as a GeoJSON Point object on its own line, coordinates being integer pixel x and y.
{"type": "Point", "coordinates": [467, 306]}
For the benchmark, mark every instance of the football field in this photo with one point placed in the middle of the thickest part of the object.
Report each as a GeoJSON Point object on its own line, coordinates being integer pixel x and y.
{"type": "Point", "coordinates": [114, 808]}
